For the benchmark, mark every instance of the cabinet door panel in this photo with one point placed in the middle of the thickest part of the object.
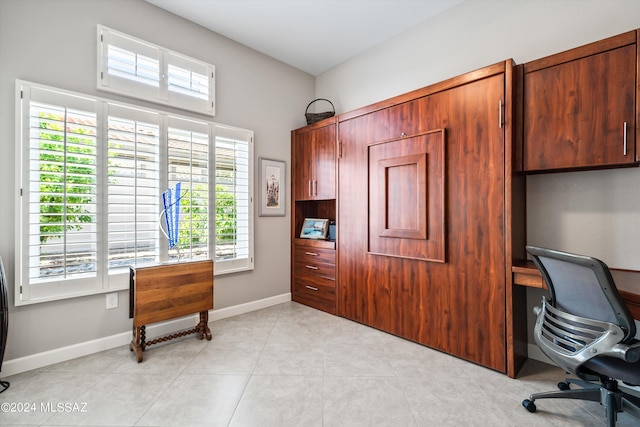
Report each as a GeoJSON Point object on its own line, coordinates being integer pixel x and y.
{"type": "Point", "coordinates": [302, 166]}
{"type": "Point", "coordinates": [575, 112]}
{"type": "Point", "coordinates": [324, 161]}
{"type": "Point", "coordinates": [457, 306]}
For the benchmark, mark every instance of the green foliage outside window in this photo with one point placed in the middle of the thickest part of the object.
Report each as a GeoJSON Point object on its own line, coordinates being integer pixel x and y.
{"type": "Point", "coordinates": [68, 185]}
{"type": "Point", "coordinates": [67, 178]}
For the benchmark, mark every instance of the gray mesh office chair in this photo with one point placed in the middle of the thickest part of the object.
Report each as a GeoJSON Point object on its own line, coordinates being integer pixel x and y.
{"type": "Point", "coordinates": [586, 329]}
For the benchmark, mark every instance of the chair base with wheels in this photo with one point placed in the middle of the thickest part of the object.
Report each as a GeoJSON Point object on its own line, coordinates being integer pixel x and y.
{"type": "Point", "coordinates": [607, 393]}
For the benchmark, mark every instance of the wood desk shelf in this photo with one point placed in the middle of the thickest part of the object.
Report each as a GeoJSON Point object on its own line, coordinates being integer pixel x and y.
{"type": "Point", "coordinates": [168, 291]}
{"type": "Point", "coordinates": [627, 282]}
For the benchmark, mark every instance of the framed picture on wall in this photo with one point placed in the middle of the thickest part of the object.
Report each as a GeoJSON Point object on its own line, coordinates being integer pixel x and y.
{"type": "Point", "coordinates": [314, 228]}
{"type": "Point", "coordinates": [272, 187]}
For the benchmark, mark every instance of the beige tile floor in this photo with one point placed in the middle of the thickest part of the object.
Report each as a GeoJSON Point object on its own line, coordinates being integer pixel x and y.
{"type": "Point", "coordinates": [288, 365]}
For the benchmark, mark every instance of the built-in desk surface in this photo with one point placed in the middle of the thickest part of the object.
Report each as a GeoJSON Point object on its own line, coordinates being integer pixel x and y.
{"type": "Point", "coordinates": [525, 273]}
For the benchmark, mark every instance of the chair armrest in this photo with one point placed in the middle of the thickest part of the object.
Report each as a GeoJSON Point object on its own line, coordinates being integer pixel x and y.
{"type": "Point", "coordinates": [626, 352]}
{"type": "Point", "coordinates": [633, 353]}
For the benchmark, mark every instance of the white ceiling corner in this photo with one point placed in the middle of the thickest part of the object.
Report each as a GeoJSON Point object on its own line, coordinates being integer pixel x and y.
{"type": "Point", "coordinates": [311, 35]}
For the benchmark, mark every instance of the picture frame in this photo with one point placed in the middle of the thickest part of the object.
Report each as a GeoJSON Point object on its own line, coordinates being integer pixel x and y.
{"type": "Point", "coordinates": [272, 187]}
{"type": "Point", "coordinates": [314, 228]}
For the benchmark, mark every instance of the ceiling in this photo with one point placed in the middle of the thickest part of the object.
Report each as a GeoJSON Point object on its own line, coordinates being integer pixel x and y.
{"type": "Point", "coordinates": [312, 35]}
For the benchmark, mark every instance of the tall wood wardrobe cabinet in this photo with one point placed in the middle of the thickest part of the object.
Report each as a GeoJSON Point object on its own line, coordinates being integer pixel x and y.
{"type": "Point", "coordinates": [428, 213]}
{"type": "Point", "coordinates": [313, 262]}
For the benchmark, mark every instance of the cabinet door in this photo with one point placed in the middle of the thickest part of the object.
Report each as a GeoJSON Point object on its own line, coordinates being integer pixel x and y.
{"type": "Point", "coordinates": [324, 163]}
{"type": "Point", "coordinates": [581, 113]}
{"type": "Point", "coordinates": [314, 163]}
{"type": "Point", "coordinates": [453, 301]}
{"type": "Point", "coordinates": [302, 169]}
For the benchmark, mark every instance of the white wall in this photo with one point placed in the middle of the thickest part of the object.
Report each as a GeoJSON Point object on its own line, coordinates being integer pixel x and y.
{"type": "Point", "coordinates": [53, 42]}
{"type": "Point", "coordinates": [596, 212]}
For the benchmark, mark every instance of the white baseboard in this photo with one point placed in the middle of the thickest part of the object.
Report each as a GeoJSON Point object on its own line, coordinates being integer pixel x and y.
{"type": "Point", "coordinates": [46, 358]}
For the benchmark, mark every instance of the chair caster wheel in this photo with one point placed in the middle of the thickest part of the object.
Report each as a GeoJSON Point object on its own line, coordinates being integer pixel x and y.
{"type": "Point", "coordinates": [563, 385]}
{"type": "Point", "coordinates": [529, 405]}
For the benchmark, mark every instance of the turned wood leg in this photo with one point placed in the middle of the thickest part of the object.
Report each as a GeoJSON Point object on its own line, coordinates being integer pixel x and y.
{"type": "Point", "coordinates": [137, 343]}
{"type": "Point", "coordinates": [204, 325]}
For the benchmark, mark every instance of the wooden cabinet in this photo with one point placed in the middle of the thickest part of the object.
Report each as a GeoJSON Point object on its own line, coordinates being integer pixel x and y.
{"type": "Point", "coordinates": [314, 274]}
{"type": "Point", "coordinates": [579, 107]}
{"type": "Point", "coordinates": [445, 181]}
{"type": "Point", "coordinates": [313, 262]}
{"type": "Point", "coordinates": [314, 161]}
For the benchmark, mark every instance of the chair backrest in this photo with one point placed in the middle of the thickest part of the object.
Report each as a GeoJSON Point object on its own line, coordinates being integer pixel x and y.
{"type": "Point", "coordinates": [582, 286]}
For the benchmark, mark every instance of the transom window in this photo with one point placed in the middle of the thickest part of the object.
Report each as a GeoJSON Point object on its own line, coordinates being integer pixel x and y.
{"type": "Point", "coordinates": [136, 68]}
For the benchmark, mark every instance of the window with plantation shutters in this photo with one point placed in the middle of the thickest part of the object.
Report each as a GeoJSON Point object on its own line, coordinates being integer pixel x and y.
{"type": "Point", "coordinates": [91, 176]}
{"type": "Point", "coordinates": [62, 202]}
{"type": "Point", "coordinates": [59, 205]}
{"type": "Point", "coordinates": [188, 164]}
{"type": "Point", "coordinates": [234, 241]}
{"type": "Point", "coordinates": [136, 68]}
{"type": "Point", "coordinates": [133, 185]}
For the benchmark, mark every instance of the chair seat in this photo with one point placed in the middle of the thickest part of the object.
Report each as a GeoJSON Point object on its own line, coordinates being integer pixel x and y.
{"type": "Point", "coordinates": [613, 367]}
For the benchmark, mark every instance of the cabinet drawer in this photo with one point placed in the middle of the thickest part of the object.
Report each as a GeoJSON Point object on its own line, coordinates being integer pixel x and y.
{"type": "Point", "coordinates": [315, 268]}
{"type": "Point", "coordinates": [317, 292]}
{"type": "Point", "coordinates": [309, 255]}
{"type": "Point", "coordinates": [315, 281]}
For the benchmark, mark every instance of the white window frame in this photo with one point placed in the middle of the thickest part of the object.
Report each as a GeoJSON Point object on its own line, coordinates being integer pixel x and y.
{"type": "Point", "coordinates": [166, 92]}
{"type": "Point", "coordinates": [104, 280]}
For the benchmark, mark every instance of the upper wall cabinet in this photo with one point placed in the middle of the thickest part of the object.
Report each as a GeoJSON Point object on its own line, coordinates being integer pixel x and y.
{"type": "Point", "coordinates": [314, 161]}
{"type": "Point", "coordinates": [579, 107]}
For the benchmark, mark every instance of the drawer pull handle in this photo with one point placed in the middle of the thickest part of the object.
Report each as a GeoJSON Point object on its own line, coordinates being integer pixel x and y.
{"type": "Point", "coordinates": [312, 267]}
{"type": "Point", "coordinates": [624, 138]}
{"type": "Point", "coordinates": [311, 253]}
{"type": "Point", "coordinates": [311, 287]}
